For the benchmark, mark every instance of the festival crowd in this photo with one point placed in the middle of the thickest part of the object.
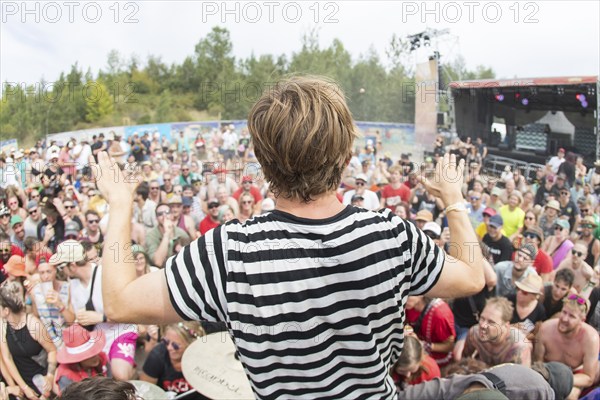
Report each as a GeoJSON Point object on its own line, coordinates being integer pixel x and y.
{"type": "Point", "coordinates": [540, 236]}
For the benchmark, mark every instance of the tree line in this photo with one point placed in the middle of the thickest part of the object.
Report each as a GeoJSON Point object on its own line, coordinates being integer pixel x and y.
{"type": "Point", "coordinates": [212, 84]}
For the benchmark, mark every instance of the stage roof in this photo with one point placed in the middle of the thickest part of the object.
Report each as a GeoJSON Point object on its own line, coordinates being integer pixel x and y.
{"type": "Point", "coordinates": [551, 81]}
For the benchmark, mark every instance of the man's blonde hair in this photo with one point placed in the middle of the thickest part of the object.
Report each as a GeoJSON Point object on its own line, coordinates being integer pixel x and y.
{"type": "Point", "coordinates": [303, 134]}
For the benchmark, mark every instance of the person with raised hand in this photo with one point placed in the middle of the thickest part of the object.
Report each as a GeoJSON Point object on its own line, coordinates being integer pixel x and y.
{"type": "Point", "coordinates": [315, 288]}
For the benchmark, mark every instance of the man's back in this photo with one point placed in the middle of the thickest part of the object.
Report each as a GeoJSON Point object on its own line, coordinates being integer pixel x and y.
{"type": "Point", "coordinates": [337, 330]}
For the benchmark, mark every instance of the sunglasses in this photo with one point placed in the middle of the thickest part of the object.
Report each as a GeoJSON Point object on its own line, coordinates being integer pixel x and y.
{"type": "Point", "coordinates": [588, 226]}
{"type": "Point", "coordinates": [33, 211]}
{"type": "Point", "coordinates": [161, 213]}
{"type": "Point", "coordinates": [531, 236]}
{"type": "Point", "coordinates": [558, 228]}
{"type": "Point", "coordinates": [168, 343]}
{"type": "Point", "coordinates": [4, 215]}
{"type": "Point", "coordinates": [584, 210]}
{"type": "Point", "coordinates": [93, 221]}
{"type": "Point", "coordinates": [154, 188]}
{"type": "Point", "coordinates": [577, 253]}
{"type": "Point", "coordinates": [213, 206]}
{"type": "Point", "coordinates": [12, 203]}
{"type": "Point", "coordinates": [580, 300]}
{"type": "Point", "coordinates": [69, 207]}
{"type": "Point", "coordinates": [564, 193]}
{"type": "Point", "coordinates": [475, 198]}
{"type": "Point", "coordinates": [360, 184]}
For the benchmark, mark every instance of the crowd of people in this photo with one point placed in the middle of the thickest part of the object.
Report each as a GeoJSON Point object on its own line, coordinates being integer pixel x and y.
{"type": "Point", "coordinates": [540, 238]}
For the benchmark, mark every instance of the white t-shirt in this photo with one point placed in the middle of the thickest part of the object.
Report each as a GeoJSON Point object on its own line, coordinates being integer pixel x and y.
{"type": "Point", "coordinates": [371, 200]}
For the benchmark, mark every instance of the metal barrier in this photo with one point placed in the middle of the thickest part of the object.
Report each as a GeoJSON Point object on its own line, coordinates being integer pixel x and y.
{"type": "Point", "coordinates": [495, 165]}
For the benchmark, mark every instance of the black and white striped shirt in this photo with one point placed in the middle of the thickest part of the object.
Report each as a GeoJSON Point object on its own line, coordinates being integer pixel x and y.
{"type": "Point", "coordinates": [316, 307]}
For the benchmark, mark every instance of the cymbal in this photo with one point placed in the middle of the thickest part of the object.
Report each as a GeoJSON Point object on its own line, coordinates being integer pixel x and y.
{"type": "Point", "coordinates": [209, 365]}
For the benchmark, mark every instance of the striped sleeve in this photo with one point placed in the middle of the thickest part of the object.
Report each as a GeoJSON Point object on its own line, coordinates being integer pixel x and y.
{"type": "Point", "coordinates": [427, 260]}
{"type": "Point", "coordinates": [196, 278]}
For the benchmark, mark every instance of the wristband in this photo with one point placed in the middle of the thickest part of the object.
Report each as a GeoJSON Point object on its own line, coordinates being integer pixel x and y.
{"type": "Point", "coordinates": [427, 346]}
{"type": "Point", "coordinates": [460, 206]}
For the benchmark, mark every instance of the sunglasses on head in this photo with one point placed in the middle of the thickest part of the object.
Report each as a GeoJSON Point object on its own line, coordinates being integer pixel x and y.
{"type": "Point", "coordinates": [576, 253]}
{"type": "Point", "coordinates": [168, 343]}
{"type": "Point", "coordinates": [580, 300]}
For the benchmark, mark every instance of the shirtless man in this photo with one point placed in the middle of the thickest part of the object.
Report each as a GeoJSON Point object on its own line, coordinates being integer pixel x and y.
{"type": "Point", "coordinates": [494, 339]}
{"type": "Point", "coordinates": [571, 341]}
{"type": "Point", "coordinates": [584, 274]}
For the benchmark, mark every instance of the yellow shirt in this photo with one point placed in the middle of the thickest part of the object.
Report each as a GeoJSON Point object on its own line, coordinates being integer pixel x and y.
{"type": "Point", "coordinates": [513, 220]}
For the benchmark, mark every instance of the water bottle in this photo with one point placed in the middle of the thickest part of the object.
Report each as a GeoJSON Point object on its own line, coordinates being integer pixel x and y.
{"type": "Point", "coordinates": [39, 381]}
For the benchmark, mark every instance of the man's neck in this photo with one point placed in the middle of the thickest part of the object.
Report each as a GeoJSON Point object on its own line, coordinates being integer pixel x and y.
{"type": "Point", "coordinates": [85, 274]}
{"type": "Point", "coordinates": [324, 206]}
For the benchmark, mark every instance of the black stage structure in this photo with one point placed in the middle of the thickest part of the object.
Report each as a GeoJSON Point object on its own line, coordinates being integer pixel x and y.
{"type": "Point", "coordinates": [541, 115]}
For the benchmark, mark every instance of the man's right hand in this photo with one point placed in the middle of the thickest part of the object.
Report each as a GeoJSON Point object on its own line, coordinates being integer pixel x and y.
{"type": "Point", "coordinates": [447, 180]}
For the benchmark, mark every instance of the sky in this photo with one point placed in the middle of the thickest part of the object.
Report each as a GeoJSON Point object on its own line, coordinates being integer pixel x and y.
{"type": "Point", "coordinates": [516, 38]}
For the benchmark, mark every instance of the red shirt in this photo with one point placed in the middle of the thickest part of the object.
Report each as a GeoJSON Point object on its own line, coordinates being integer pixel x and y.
{"type": "Point", "coordinates": [207, 224]}
{"type": "Point", "coordinates": [393, 197]}
{"type": "Point", "coordinates": [543, 263]}
{"type": "Point", "coordinates": [436, 327]}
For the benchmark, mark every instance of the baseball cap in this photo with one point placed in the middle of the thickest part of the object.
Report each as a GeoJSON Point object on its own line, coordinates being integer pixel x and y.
{"type": "Point", "coordinates": [535, 230]}
{"type": "Point", "coordinates": [496, 221]}
{"type": "Point", "coordinates": [15, 219]}
{"type": "Point", "coordinates": [528, 249]}
{"type": "Point", "coordinates": [187, 201]}
{"type": "Point", "coordinates": [15, 265]}
{"type": "Point", "coordinates": [213, 202]}
{"type": "Point", "coordinates": [71, 229]}
{"type": "Point", "coordinates": [489, 211]}
{"type": "Point", "coordinates": [433, 228]}
{"type": "Point", "coordinates": [4, 211]}
{"type": "Point", "coordinates": [496, 191]}
{"type": "Point", "coordinates": [561, 150]}
{"type": "Point", "coordinates": [32, 204]}
{"type": "Point", "coordinates": [563, 223]}
{"type": "Point", "coordinates": [424, 215]}
{"type": "Point", "coordinates": [67, 252]}
{"type": "Point", "coordinates": [361, 177]}
{"type": "Point", "coordinates": [247, 178]}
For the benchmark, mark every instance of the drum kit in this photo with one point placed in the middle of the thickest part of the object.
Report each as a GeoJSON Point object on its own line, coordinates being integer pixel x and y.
{"type": "Point", "coordinates": [210, 366]}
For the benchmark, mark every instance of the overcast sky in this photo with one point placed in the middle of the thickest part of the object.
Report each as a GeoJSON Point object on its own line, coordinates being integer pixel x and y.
{"type": "Point", "coordinates": [516, 39]}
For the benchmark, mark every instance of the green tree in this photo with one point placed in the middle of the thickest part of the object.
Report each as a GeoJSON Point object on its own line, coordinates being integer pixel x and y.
{"type": "Point", "coordinates": [99, 101]}
{"type": "Point", "coordinates": [164, 107]}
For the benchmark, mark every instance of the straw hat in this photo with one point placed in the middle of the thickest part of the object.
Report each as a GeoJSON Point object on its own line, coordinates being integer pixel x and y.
{"type": "Point", "coordinates": [532, 284]}
{"type": "Point", "coordinates": [221, 378]}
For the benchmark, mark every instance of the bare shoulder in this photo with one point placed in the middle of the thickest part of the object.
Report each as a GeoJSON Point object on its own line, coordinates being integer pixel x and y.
{"type": "Point", "coordinates": [590, 336]}
{"type": "Point", "coordinates": [548, 327]}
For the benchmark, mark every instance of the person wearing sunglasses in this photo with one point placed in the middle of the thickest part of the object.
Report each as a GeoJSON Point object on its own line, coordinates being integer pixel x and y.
{"type": "Point", "coordinates": [510, 272]}
{"type": "Point", "coordinates": [212, 217]}
{"type": "Point", "coordinates": [33, 219]}
{"type": "Point", "coordinates": [549, 217]}
{"type": "Point", "coordinates": [160, 240]}
{"type": "Point", "coordinates": [543, 262]}
{"type": "Point", "coordinates": [585, 276]}
{"type": "Point", "coordinates": [588, 225]}
{"type": "Point", "coordinates": [163, 364]}
{"type": "Point", "coordinates": [570, 340]}
{"type": "Point", "coordinates": [568, 207]}
{"type": "Point", "coordinates": [558, 245]}
{"type": "Point", "coordinates": [528, 308]}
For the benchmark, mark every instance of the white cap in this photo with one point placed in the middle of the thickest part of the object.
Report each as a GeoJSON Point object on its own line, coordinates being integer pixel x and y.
{"type": "Point", "coordinates": [432, 227]}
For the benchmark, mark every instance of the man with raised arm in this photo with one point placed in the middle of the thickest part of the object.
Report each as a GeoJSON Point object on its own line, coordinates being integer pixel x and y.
{"type": "Point", "coordinates": [314, 291]}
